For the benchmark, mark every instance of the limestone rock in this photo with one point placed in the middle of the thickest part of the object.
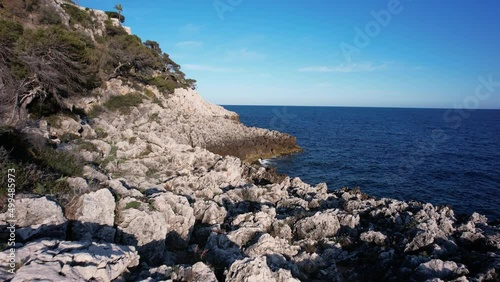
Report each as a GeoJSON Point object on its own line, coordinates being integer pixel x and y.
{"type": "Point", "coordinates": [373, 237]}
{"type": "Point", "coordinates": [72, 261]}
{"type": "Point", "coordinates": [197, 272]}
{"type": "Point", "coordinates": [266, 244]}
{"type": "Point", "coordinates": [256, 270]}
{"type": "Point", "coordinates": [138, 226]}
{"type": "Point", "coordinates": [38, 218]}
{"type": "Point", "coordinates": [93, 215]}
{"type": "Point", "coordinates": [209, 212]}
{"type": "Point", "coordinates": [321, 225]}
{"type": "Point", "coordinates": [179, 217]}
{"type": "Point", "coordinates": [437, 268]}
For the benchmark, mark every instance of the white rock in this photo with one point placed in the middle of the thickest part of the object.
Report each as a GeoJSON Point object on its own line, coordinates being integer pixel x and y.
{"type": "Point", "coordinates": [321, 225]}
{"type": "Point", "coordinates": [39, 217]}
{"type": "Point", "coordinates": [94, 216]}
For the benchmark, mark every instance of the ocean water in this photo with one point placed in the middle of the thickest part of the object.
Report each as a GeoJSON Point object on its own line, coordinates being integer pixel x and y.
{"type": "Point", "coordinates": [439, 156]}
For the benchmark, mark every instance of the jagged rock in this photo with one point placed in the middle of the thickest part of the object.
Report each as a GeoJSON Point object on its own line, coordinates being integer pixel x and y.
{"type": "Point", "coordinates": [266, 244]}
{"type": "Point", "coordinates": [153, 274]}
{"type": "Point", "coordinates": [373, 237]}
{"type": "Point", "coordinates": [138, 226]}
{"type": "Point", "coordinates": [77, 183]}
{"type": "Point", "coordinates": [39, 218]}
{"type": "Point", "coordinates": [179, 217]}
{"type": "Point", "coordinates": [91, 173]}
{"type": "Point", "coordinates": [119, 189]}
{"type": "Point", "coordinates": [221, 251]}
{"type": "Point", "coordinates": [197, 272]}
{"type": "Point", "coordinates": [320, 225]}
{"type": "Point", "coordinates": [72, 261]}
{"type": "Point", "coordinates": [209, 212]}
{"type": "Point", "coordinates": [281, 229]}
{"type": "Point", "coordinates": [93, 215]}
{"type": "Point", "coordinates": [437, 268]}
{"type": "Point", "coordinates": [256, 270]}
{"type": "Point", "coordinates": [251, 224]}
{"type": "Point", "coordinates": [65, 125]}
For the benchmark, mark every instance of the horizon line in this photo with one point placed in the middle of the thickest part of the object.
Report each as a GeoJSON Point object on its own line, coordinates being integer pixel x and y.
{"type": "Point", "coordinates": [377, 107]}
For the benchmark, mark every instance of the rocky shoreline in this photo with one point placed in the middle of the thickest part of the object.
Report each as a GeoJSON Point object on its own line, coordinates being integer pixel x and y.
{"type": "Point", "coordinates": [167, 192]}
{"type": "Point", "coordinates": [168, 211]}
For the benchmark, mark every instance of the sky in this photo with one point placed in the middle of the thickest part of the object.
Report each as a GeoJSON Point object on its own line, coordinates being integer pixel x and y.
{"type": "Point", "coordinates": [370, 53]}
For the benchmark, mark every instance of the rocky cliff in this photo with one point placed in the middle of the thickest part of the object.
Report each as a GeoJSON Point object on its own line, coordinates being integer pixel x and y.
{"type": "Point", "coordinates": [133, 183]}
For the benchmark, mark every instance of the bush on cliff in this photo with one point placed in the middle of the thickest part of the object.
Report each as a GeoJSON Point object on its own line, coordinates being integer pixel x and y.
{"type": "Point", "coordinates": [39, 168]}
{"type": "Point", "coordinates": [123, 103]}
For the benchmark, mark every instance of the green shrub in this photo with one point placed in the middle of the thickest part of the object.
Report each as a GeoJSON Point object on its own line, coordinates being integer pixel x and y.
{"type": "Point", "coordinates": [68, 137]}
{"type": "Point", "coordinates": [62, 162]}
{"type": "Point", "coordinates": [86, 146]}
{"type": "Point", "coordinates": [77, 15]}
{"type": "Point", "coordinates": [115, 15]}
{"type": "Point", "coordinates": [10, 32]}
{"type": "Point", "coordinates": [71, 70]}
{"type": "Point", "coordinates": [49, 16]}
{"type": "Point", "coordinates": [112, 30]}
{"type": "Point", "coordinates": [164, 84]}
{"type": "Point", "coordinates": [123, 103]}
{"type": "Point", "coordinates": [95, 111]}
{"type": "Point", "coordinates": [111, 156]}
{"type": "Point", "coordinates": [133, 205]}
{"type": "Point", "coordinates": [101, 133]}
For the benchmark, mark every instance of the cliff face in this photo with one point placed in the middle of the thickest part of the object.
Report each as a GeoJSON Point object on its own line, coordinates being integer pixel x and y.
{"type": "Point", "coordinates": [136, 185]}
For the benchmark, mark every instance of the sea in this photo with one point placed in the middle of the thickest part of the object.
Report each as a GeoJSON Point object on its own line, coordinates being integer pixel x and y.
{"type": "Point", "coordinates": [442, 156]}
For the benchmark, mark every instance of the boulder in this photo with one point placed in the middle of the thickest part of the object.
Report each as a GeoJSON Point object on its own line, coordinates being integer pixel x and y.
{"type": "Point", "coordinates": [179, 217]}
{"type": "Point", "coordinates": [138, 226]}
{"type": "Point", "coordinates": [209, 212]}
{"type": "Point", "coordinates": [39, 218]}
{"type": "Point", "coordinates": [93, 216]}
{"type": "Point", "coordinates": [320, 225]}
{"type": "Point", "coordinates": [72, 261]}
{"type": "Point", "coordinates": [256, 270]}
{"type": "Point", "coordinates": [373, 237]}
{"type": "Point", "coordinates": [437, 268]}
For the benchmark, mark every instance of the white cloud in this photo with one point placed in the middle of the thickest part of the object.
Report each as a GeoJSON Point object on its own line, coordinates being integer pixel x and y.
{"type": "Point", "coordinates": [189, 29]}
{"type": "Point", "coordinates": [189, 44]}
{"type": "Point", "coordinates": [364, 67]}
{"type": "Point", "coordinates": [195, 67]}
{"type": "Point", "coordinates": [244, 54]}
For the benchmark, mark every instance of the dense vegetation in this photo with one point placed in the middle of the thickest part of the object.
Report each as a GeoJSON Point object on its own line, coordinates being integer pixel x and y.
{"type": "Point", "coordinates": [46, 57]}
{"type": "Point", "coordinates": [50, 53]}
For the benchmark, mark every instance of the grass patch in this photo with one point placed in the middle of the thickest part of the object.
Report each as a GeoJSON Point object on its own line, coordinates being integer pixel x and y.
{"type": "Point", "coordinates": [153, 117]}
{"type": "Point", "coordinates": [77, 16]}
{"type": "Point", "coordinates": [86, 146]}
{"type": "Point", "coordinates": [95, 111]}
{"type": "Point", "coordinates": [146, 151]}
{"type": "Point", "coordinates": [133, 205]}
{"type": "Point", "coordinates": [164, 84]}
{"type": "Point", "coordinates": [111, 156]}
{"type": "Point", "coordinates": [123, 103]}
{"type": "Point", "coordinates": [68, 137]}
{"type": "Point", "coordinates": [61, 162]}
{"type": "Point", "coordinates": [101, 133]}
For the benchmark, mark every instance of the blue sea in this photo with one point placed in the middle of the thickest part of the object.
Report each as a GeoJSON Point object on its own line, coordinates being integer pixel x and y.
{"type": "Point", "coordinates": [445, 157]}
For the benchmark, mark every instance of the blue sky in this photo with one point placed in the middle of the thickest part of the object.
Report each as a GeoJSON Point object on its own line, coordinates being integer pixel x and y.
{"type": "Point", "coordinates": [406, 53]}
